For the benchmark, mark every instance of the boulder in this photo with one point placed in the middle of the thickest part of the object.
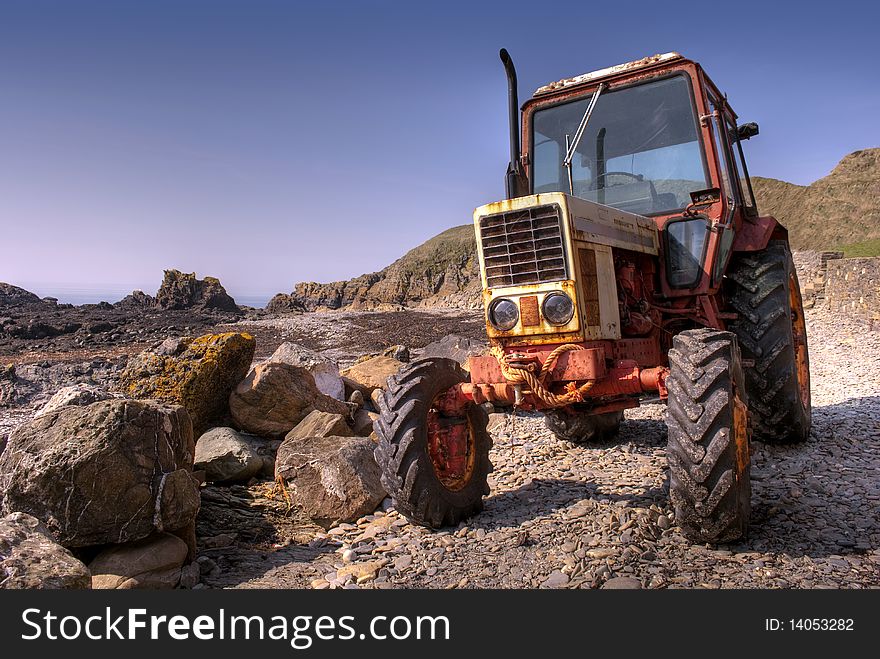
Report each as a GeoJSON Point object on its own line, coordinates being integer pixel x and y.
{"type": "Point", "coordinates": [456, 347]}
{"type": "Point", "coordinates": [196, 373]}
{"type": "Point", "coordinates": [320, 424]}
{"type": "Point", "coordinates": [275, 397]}
{"type": "Point", "coordinates": [77, 394]}
{"type": "Point", "coordinates": [398, 352]}
{"type": "Point", "coordinates": [324, 371]}
{"type": "Point", "coordinates": [112, 472]}
{"type": "Point", "coordinates": [371, 374]}
{"type": "Point", "coordinates": [333, 479]}
{"type": "Point", "coordinates": [225, 456]}
{"type": "Point", "coordinates": [363, 423]}
{"type": "Point", "coordinates": [153, 563]}
{"type": "Point", "coordinates": [181, 290]}
{"type": "Point", "coordinates": [30, 557]}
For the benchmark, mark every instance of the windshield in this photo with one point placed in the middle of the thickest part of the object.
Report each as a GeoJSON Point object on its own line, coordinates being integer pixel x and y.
{"type": "Point", "coordinates": [640, 152]}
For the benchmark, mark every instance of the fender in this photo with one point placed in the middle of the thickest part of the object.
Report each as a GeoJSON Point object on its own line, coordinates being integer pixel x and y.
{"type": "Point", "coordinates": [754, 236]}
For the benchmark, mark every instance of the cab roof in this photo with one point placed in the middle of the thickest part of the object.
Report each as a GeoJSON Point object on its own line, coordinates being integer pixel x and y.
{"type": "Point", "coordinates": [607, 72]}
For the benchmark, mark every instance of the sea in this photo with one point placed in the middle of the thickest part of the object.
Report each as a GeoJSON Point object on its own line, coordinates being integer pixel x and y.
{"type": "Point", "coordinates": [81, 294]}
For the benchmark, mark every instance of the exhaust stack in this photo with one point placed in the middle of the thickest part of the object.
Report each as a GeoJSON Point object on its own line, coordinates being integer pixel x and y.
{"type": "Point", "coordinates": [514, 182]}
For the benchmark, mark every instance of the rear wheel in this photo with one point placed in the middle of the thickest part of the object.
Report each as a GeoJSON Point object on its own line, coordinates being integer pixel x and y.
{"type": "Point", "coordinates": [434, 463]}
{"type": "Point", "coordinates": [708, 426]}
{"type": "Point", "coordinates": [582, 427]}
{"type": "Point", "coordinates": [763, 289]}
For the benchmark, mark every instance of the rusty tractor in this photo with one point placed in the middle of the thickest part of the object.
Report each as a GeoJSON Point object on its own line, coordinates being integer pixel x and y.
{"type": "Point", "coordinates": [628, 262]}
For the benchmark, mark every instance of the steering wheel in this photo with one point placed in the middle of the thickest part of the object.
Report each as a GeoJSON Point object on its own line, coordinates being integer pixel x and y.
{"type": "Point", "coordinates": [637, 177]}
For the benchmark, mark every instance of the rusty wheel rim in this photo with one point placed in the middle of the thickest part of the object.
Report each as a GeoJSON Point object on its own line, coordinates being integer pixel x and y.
{"type": "Point", "coordinates": [799, 339]}
{"type": "Point", "coordinates": [741, 434]}
{"type": "Point", "coordinates": [451, 448]}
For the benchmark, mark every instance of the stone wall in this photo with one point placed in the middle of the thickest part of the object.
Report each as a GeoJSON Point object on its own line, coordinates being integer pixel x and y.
{"type": "Point", "coordinates": [852, 287]}
{"type": "Point", "coordinates": [846, 286]}
{"type": "Point", "coordinates": [811, 268]}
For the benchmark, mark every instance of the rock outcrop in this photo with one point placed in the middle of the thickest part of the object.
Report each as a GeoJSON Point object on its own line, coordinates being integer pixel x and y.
{"type": "Point", "coordinates": [198, 374]}
{"type": "Point", "coordinates": [13, 296]}
{"type": "Point", "coordinates": [181, 290]}
{"type": "Point", "coordinates": [333, 479]}
{"type": "Point", "coordinates": [30, 557]}
{"type": "Point", "coordinates": [108, 473]}
{"type": "Point", "coordinates": [275, 397]}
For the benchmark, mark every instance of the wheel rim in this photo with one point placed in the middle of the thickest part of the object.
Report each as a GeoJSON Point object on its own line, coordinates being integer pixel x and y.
{"type": "Point", "coordinates": [799, 337]}
{"type": "Point", "coordinates": [741, 434]}
{"type": "Point", "coordinates": [451, 448]}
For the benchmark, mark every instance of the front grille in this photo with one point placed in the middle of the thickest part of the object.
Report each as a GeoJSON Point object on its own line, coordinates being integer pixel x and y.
{"type": "Point", "coordinates": [523, 246]}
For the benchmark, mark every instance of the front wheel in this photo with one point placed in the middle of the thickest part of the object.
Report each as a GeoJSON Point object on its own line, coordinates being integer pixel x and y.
{"type": "Point", "coordinates": [434, 466]}
{"type": "Point", "coordinates": [708, 427]}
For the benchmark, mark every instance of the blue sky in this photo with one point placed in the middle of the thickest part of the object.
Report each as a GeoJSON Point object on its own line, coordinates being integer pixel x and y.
{"type": "Point", "coordinates": [273, 142]}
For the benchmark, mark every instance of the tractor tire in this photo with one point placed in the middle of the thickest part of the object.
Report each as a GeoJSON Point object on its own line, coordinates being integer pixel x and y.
{"type": "Point", "coordinates": [708, 429]}
{"type": "Point", "coordinates": [762, 287]}
{"type": "Point", "coordinates": [411, 471]}
{"type": "Point", "coordinates": [582, 427]}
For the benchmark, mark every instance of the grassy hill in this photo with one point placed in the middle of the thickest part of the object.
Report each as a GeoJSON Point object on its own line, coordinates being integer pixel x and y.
{"type": "Point", "coordinates": [839, 211]}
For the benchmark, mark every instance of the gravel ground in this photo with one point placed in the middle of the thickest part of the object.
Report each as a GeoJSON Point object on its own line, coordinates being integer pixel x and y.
{"type": "Point", "coordinates": [561, 515]}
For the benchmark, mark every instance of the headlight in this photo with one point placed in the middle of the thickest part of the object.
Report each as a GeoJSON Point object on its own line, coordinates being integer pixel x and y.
{"type": "Point", "coordinates": [503, 314]}
{"type": "Point", "coordinates": [558, 308]}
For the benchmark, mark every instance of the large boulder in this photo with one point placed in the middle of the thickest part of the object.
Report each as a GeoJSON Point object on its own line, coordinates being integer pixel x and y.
{"type": "Point", "coordinates": [111, 472]}
{"type": "Point", "coordinates": [333, 479]}
{"type": "Point", "coordinates": [181, 290]}
{"type": "Point", "coordinates": [320, 424]}
{"type": "Point", "coordinates": [13, 296]}
{"type": "Point", "coordinates": [274, 397]}
{"type": "Point", "coordinates": [153, 563]}
{"type": "Point", "coordinates": [30, 557]}
{"type": "Point", "coordinates": [196, 373]}
{"type": "Point", "coordinates": [456, 347]}
{"type": "Point", "coordinates": [77, 394]}
{"type": "Point", "coordinates": [225, 456]}
{"type": "Point", "coordinates": [324, 371]}
{"type": "Point", "coordinates": [371, 374]}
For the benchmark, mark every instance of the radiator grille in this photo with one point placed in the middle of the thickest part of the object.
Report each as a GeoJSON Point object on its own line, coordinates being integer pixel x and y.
{"type": "Point", "coordinates": [523, 247]}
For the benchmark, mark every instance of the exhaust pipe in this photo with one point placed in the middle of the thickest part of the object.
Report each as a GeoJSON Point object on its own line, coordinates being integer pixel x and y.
{"type": "Point", "coordinates": [514, 182]}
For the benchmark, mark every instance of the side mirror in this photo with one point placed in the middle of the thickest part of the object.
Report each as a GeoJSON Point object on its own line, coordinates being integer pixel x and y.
{"type": "Point", "coordinates": [745, 131]}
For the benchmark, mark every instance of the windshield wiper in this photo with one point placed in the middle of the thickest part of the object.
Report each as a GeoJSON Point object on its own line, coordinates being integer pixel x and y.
{"type": "Point", "coordinates": [570, 148]}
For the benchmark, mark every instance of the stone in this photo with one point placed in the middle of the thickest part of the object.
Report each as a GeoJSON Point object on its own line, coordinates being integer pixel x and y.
{"type": "Point", "coordinates": [398, 352]}
{"type": "Point", "coordinates": [275, 397]}
{"type": "Point", "coordinates": [30, 557]}
{"type": "Point", "coordinates": [153, 563]}
{"type": "Point", "coordinates": [198, 374]}
{"type": "Point", "coordinates": [363, 423]}
{"type": "Point", "coordinates": [225, 456]}
{"type": "Point", "coordinates": [497, 422]}
{"type": "Point", "coordinates": [320, 424]}
{"type": "Point", "coordinates": [556, 579]}
{"type": "Point", "coordinates": [77, 394]}
{"type": "Point", "coordinates": [365, 570]}
{"type": "Point", "coordinates": [371, 374]}
{"type": "Point", "coordinates": [324, 371]}
{"type": "Point", "coordinates": [190, 575]}
{"type": "Point", "coordinates": [112, 472]}
{"type": "Point", "coordinates": [622, 583]}
{"type": "Point", "coordinates": [333, 479]}
{"type": "Point", "coordinates": [455, 347]}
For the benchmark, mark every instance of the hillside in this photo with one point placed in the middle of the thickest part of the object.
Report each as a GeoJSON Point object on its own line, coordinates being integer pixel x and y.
{"type": "Point", "coordinates": [440, 272]}
{"type": "Point", "coordinates": [836, 211]}
{"type": "Point", "coordinates": [841, 210]}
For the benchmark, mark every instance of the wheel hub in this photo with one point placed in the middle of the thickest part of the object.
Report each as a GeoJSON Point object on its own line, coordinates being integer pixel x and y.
{"type": "Point", "coordinates": [451, 448]}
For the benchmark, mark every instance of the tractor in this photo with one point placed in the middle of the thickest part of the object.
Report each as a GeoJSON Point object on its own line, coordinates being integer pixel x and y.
{"type": "Point", "coordinates": [628, 262]}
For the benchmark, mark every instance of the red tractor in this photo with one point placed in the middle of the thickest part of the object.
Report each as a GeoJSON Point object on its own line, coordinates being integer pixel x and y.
{"type": "Point", "coordinates": [628, 261]}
